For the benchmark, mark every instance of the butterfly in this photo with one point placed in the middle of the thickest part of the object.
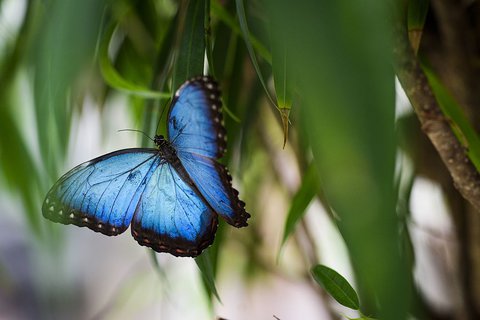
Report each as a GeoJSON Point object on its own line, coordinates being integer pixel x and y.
{"type": "Point", "coordinates": [171, 195]}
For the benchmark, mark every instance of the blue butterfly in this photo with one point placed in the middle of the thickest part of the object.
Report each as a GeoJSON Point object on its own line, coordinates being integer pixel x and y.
{"type": "Point", "coordinates": [171, 196]}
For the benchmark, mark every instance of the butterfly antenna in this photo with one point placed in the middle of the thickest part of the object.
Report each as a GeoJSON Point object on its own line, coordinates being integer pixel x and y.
{"type": "Point", "coordinates": [134, 130]}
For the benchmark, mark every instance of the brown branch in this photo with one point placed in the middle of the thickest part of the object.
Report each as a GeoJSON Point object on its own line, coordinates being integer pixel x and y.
{"type": "Point", "coordinates": [435, 125]}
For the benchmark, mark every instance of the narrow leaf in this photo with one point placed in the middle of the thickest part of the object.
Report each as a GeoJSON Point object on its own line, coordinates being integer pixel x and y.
{"type": "Point", "coordinates": [191, 50]}
{"type": "Point", "coordinates": [300, 201]}
{"type": "Point", "coordinates": [279, 69]}
{"type": "Point", "coordinates": [459, 122]}
{"type": "Point", "coordinates": [246, 37]}
{"type": "Point", "coordinates": [282, 86]}
{"type": "Point", "coordinates": [336, 285]}
{"type": "Point", "coordinates": [113, 78]}
{"type": "Point", "coordinates": [417, 13]}
{"type": "Point", "coordinates": [230, 21]}
{"type": "Point", "coordinates": [204, 263]}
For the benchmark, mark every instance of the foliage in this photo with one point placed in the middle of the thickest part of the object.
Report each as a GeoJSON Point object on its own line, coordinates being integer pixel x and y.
{"type": "Point", "coordinates": [315, 77]}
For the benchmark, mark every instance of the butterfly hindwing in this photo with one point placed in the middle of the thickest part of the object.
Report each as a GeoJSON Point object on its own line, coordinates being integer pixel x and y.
{"type": "Point", "coordinates": [214, 182]}
{"type": "Point", "coordinates": [195, 119]}
{"type": "Point", "coordinates": [102, 194]}
{"type": "Point", "coordinates": [171, 215]}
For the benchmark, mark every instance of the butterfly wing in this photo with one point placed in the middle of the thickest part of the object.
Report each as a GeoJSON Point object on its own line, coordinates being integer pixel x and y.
{"type": "Point", "coordinates": [102, 194]}
{"type": "Point", "coordinates": [195, 119]}
{"type": "Point", "coordinates": [215, 184]}
{"type": "Point", "coordinates": [172, 217]}
{"type": "Point", "coordinates": [196, 131]}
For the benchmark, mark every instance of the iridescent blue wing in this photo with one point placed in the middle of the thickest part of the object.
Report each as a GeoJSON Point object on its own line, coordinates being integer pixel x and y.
{"type": "Point", "coordinates": [195, 129]}
{"type": "Point", "coordinates": [215, 184]}
{"type": "Point", "coordinates": [172, 216]}
{"type": "Point", "coordinates": [102, 194]}
{"type": "Point", "coordinates": [195, 119]}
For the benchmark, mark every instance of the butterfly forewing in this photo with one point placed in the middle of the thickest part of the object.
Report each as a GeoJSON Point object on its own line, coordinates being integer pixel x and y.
{"type": "Point", "coordinates": [195, 119]}
{"type": "Point", "coordinates": [101, 194]}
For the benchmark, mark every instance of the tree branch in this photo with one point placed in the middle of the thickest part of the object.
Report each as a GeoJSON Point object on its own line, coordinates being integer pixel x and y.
{"type": "Point", "coordinates": [435, 125]}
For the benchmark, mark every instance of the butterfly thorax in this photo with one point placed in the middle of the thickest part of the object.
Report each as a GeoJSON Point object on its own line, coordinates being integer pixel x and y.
{"type": "Point", "coordinates": [167, 151]}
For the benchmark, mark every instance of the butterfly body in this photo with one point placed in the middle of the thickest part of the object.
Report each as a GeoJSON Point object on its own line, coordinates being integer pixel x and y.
{"type": "Point", "coordinates": [171, 195]}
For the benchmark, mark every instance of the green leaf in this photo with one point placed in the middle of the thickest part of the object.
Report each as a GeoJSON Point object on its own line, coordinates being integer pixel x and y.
{"type": "Point", "coordinates": [58, 63]}
{"type": "Point", "coordinates": [417, 14]}
{"type": "Point", "coordinates": [204, 263]}
{"type": "Point", "coordinates": [283, 87]}
{"type": "Point", "coordinates": [336, 285]}
{"type": "Point", "coordinates": [300, 201]}
{"type": "Point", "coordinates": [339, 53]}
{"type": "Point", "coordinates": [113, 78]}
{"type": "Point", "coordinates": [230, 21]}
{"type": "Point", "coordinates": [459, 123]}
{"type": "Point", "coordinates": [191, 51]}
{"type": "Point", "coordinates": [246, 37]}
{"type": "Point", "coordinates": [279, 68]}
{"type": "Point", "coordinates": [15, 159]}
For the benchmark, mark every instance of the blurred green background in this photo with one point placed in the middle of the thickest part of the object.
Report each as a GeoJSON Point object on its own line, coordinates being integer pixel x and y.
{"type": "Point", "coordinates": [341, 192]}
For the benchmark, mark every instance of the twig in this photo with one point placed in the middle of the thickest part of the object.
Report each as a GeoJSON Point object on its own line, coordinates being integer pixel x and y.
{"type": "Point", "coordinates": [435, 125]}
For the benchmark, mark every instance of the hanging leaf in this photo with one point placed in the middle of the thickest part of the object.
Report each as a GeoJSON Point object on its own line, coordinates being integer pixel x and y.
{"type": "Point", "coordinates": [336, 285]}
{"type": "Point", "coordinates": [246, 37]}
{"type": "Point", "coordinates": [113, 78]}
{"type": "Point", "coordinates": [300, 202]}
{"type": "Point", "coordinates": [282, 85]}
{"type": "Point", "coordinates": [191, 51]}
{"type": "Point", "coordinates": [204, 263]}
{"type": "Point", "coordinates": [417, 13]}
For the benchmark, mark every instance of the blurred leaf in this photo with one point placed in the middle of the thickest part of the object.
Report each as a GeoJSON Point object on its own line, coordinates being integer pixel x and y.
{"type": "Point", "coordinates": [417, 14]}
{"type": "Point", "coordinates": [58, 63]}
{"type": "Point", "coordinates": [340, 56]}
{"type": "Point", "coordinates": [227, 18]}
{"type": "Point", "coordinates": [336, 285]}
{"type": "Point", "coordinates": [204, 263]}
{"type": "Point", "coordinates": [191, 51]}
{"type": "Point", "coordinates": [151, 122]}
{"type": "Point", "coordinates": [18, 168]}
{"type": "Point", "coordinates": [300, 202]}
{"type": "Point", "coordinates": [246, 37]}
{"type": "Point", "coordinates": [284, 111]}
{"type": "Point", "coordinates": [113, 78]}
{"type": "Point", "coordinates": [283, 87]}
{"type": "Point", "coordinates": [16, 162]}
{"type": "Point", "coordinates": [458, 121]}
{"type": "Point", "coordinates": [208, 39]}
{"type": "Point", "coordinates": [157, 267]}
